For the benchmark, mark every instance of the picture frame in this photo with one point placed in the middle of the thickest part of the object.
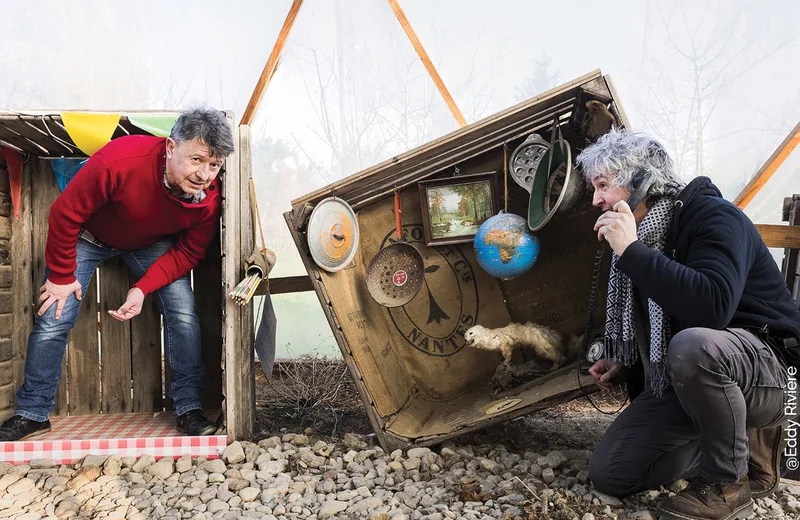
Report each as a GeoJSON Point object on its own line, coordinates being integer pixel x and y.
{"type": "Point", "coordinates": [453, 208]}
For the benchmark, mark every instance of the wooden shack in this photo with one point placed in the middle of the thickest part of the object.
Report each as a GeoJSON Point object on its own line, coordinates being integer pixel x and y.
{"type": "Point", "coordinates": [116, 367]}
{"type": "Point", "coordinates": [418, 381]}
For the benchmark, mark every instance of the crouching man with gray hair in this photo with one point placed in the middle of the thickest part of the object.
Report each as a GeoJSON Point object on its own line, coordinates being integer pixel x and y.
{"type": "Point", "coordinates": [699, 314]}
{"type": "Point", "coordinates": [155, 202]}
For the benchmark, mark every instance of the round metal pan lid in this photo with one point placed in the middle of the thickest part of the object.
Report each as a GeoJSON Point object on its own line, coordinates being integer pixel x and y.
{"type": "Point", "coordinates": [332, 234]}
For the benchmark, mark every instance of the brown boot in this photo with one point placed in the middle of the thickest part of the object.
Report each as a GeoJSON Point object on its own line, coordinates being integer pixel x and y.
{"type": "Point", "coordinates": [702, 500]}
{"type": "Point", "coordinates": [764, 466]}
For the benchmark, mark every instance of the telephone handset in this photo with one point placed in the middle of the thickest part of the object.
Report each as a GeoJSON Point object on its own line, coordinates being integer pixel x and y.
{"type": "Point", "coordinates": [641, 182]}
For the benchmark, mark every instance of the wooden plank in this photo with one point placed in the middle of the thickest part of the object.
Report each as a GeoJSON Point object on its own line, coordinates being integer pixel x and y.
{"type": "Point", "coordinates": [442, 145]}
{"type": "Point", "coordinates": [246, 354]}
{"type": "Point", "coordinates": [44, 191]}
{"type": "Point", "coordinates": [426, 60]}
{"type": "Point", "coordinates": [6, 351]}
{"type": "Point", "coordinates": [146, 358]}
{"type": "Point", "coordinates": [115, 339]}
{"type": "Point", "coordinates": [169, 404]}
{"type": "Point", "coordinates": [777, 235]}
{"type": "Point", "coordinates": [7, 371]}
{"type": "Point", "coordinates": [7, 396]}
{"type": "Point", "coordinates": [6, 325]}
{"type": "Point", "coordinates": [231, 273]}
{"type": "Point", "coordinates": [208, 298]}
{"type": "Point", "coordinates": [288, 284]}
{"type": "Point", "coordinates": [23, 305]}
{"type": "Point", "coordinates": [5, 227]}
{"type": "Point", "coordinates": [789, 266]}
{"type": "Point", "coordinates": [5, 201]}
{"type": "Point", "coordinates": [6, 302]}
{"type": "Point", "coordinates": [272, 63]}
{"type": "Point", "coordinates": [768, 168]}
{"type": "Point", "coordinates": [83, 369]}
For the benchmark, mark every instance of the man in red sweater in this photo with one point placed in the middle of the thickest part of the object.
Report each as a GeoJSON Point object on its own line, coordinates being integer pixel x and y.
{"type": "Point", "coordinates": [155, 203]}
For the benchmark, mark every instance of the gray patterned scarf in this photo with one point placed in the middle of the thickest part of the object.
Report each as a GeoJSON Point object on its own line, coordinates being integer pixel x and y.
{"type": "Point", "coordinates": [620, 338]}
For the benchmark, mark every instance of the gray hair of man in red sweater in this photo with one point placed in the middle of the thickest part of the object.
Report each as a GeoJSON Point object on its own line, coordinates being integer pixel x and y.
{"type": "Point", "coordinates": [207, 125]}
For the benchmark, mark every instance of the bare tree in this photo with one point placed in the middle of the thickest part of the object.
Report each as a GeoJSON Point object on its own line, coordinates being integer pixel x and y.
{"type": "Point", "coordinates": [704, 56]}
{"type": "Point", "coordinates": [540, 80]}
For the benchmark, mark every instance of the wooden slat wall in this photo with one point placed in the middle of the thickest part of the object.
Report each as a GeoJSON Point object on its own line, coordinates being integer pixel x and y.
{"type": "Point", "coordinates": [84, 357]}
{"type": "Point", "coordinates": [168, 403]}
{"type": "Point", "coordinates": [115, 346]}
{"type": "Point", "coordinates": [44, 191]}
{"type": "Point", "coordinates": [14, 311]}
{"type": "Point", "coordinates": [118, 370]}
{"type": "Point", "coordinates": [146, 358]}
{"type": "Point", "coordinates": [22, 304]}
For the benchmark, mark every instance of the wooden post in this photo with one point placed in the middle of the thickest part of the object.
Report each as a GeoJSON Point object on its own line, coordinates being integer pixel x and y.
{"type": "Point", "coordinates": [238, 376]}
{"type": "Point", "coordinates": [769, 168]}
{"type": "Point", "coordinates": [272, 64]}
{"type": "Point", "coordinates": [437, 80]}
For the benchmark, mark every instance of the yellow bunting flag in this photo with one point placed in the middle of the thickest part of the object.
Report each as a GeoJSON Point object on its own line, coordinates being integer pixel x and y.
{"type": "Point", "coordinates": [90, 131]}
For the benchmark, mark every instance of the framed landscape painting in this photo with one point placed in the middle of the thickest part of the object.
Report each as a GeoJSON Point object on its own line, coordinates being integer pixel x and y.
{"type": "Point", "coordinates": [455, 207]}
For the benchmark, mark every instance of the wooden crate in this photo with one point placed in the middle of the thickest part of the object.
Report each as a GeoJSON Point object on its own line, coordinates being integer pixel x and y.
{"type": "Point", "coordinates": [418, 382]}
{"type": "Point", "coordinates": [111, 366]}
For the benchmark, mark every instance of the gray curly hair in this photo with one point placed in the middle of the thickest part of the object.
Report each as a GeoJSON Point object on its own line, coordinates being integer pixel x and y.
{"type": "Point", "coordinates": [207, 125]}
{"type": "Point", "coordinates": [620, 154]}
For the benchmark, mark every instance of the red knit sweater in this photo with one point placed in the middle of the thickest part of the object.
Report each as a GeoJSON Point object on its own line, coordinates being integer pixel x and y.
{"type": "Point", "coordinates": [119, 197]}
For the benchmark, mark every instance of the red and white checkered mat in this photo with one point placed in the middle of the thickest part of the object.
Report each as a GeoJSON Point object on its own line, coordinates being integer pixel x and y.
{"type": "Point", "coordinates": [126, 435]}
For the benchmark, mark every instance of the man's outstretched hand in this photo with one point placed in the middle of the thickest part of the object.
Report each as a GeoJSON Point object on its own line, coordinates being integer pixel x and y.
{"type": "Point", "coordinates": [132, 306]}
{"type": "Point", "coordinates": [605, 372]}
{"type": "Point", "coordinates": [58, 294]}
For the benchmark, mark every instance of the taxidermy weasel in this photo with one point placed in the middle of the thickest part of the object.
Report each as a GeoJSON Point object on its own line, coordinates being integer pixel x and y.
{"type": "Point", "coordinates": [545, 342]}
{"type": "Point", "coordinates": [599, 120]}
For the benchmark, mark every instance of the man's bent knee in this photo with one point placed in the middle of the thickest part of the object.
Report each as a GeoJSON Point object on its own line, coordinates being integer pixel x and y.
{"type": "Point", "coordinates": [606, 478]}
{"type": "Point", "coordinates": [690, 349]}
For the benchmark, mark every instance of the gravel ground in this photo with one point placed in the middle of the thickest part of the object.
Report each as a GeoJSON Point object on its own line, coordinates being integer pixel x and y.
{"type": "Point", "coordinates": [294, 476]}
{"type": "Point", "coordinates": [533, 467]}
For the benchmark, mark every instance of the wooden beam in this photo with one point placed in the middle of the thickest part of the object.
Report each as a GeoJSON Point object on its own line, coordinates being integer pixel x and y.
{"type": "Point", "coordinates": [404, 23]}
{"type": "Point", "coordinates": [287, 284]}
{"type": "Point", "coordinates": [768, 169]}
{"type": "Point", "coordinates": [780, 236]}
{"type": "Point", "coordinates": [272, 64]}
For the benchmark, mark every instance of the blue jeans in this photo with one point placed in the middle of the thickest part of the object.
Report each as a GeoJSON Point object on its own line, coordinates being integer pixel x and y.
{"type": "Point", "coordinates": [48, 340]}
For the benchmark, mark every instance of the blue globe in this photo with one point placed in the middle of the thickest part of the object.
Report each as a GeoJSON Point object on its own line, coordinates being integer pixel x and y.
{"type": "Point", "coordinates": [504, 247]}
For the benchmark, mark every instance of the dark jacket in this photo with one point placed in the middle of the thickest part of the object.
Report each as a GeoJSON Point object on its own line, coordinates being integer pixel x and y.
{"type": "Point", "coordinates": [716, 272]}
